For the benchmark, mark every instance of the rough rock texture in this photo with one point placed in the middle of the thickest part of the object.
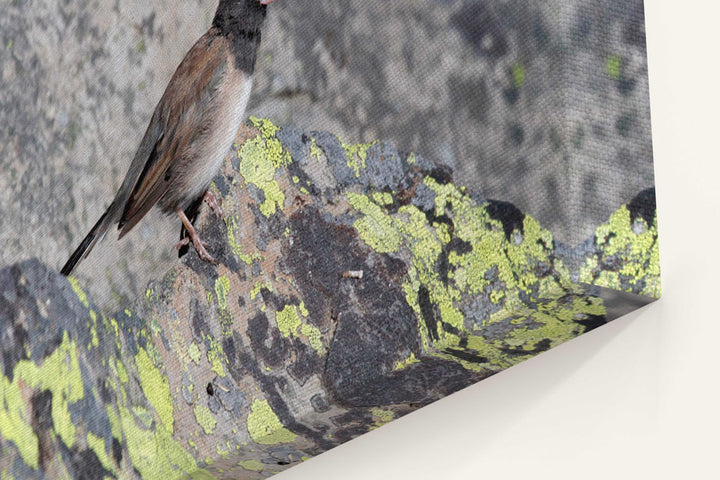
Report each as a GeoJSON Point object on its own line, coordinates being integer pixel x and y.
{"type": "Point", "coordinates": [354, 285]}
{"type": "Point", "coordinates": [80, 80]}
{"type": "Point", "coordinates": [543, 104]}
{"type": "Point", "coordinates": [540, 103]}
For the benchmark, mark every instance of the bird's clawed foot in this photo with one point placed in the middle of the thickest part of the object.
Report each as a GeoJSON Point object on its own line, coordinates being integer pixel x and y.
{"type": "Point", "coordinates": [212, 201]}
{"type": "Point", "coordinates": [200, 246]}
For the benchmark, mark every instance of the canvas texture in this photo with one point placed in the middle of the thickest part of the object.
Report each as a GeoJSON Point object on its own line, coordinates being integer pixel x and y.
{"type": "Point", "coordinates": [426, 193]}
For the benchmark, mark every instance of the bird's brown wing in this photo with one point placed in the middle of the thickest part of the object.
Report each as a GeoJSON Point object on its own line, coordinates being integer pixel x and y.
{"type": "Point", "coordinates": [181, 115]}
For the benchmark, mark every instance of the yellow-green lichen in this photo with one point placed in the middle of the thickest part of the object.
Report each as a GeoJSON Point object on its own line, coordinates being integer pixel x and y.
{"type": "Point", "coordinates": [496, 358]}
{"type": "Point", "coordinates": [401, 364]}
{"type": "Point", "coordinates": [514, 262]}
{"type": "Point", "coordinates": [357, 155]}
{"type": "Point", "coordinates": [613, 65]}
{"type": "Point", "coordinates": [97, 445]}
{"type": "Point", "coordinates": [82, 296]}
{"type": "Point", "coordinates": [382, 198]}
{"type": "Point", "coordinates": [209, 297]}
{"type": "Point", "coordinates": [5, 475]}
{"type": "Point", "coordinates": [259, 286]}
{"type": "Point", "coordinates": [550, 328]}
{"type": "Point", "coordinates": [153, 323]}
{"type": "Point", "coordinates": [264, 425]}
{"type": "Point", "coordinates": [275, 151]}
{"type": "Point", "coordinates": [632, 246]}
{"type": "Point", "coordinates": [156, 388]}
{"type": "Point", "coordinates": [314, 336]}
{"type": "Point", "coordinates": [216, 356]}
{"type": "Point", "coordinates": [518, 74]}
{"type": "Point", "coordinates": [288, 320]}
{"type": "Point", "coordinates": [115, 425]}
{"type": "Point", "coordinates": [143, 415]}
{"type": "Point", "coordinates": [505, 270]}
{"type": "Point", "coordinates": [231, 222]}
{"type": "Point", "coordinates": [118, 379]}
{"type": "Point", "coordinates": [222, 289]}
{"type": "Point", "coordinates": [223, 452]}
{"type": "Point", "coordinates": [376, 226]}
{"type": "Point", "coordinates": [194, 353]}
{"type": "Point", "coordinates": [315, 150]}
{"type": "Point", "coordinates": [253, 465]}
{"type": "Point", "coordinates": [382, 416]}
{"type": "Point", "coordinates": [122, 371]}
{"type": "Point", "coordinates": [59, 374]}
{"type": "Point", "coordinates": [94, 341]}
{"type": "Point", "coordinates": [115, 329]}
{"type": "Point", "coordinates": [205, 418]}
{"type": "Point", "coordinates": [155, 454]}
{"type": "Point", "coordinates": [261, 156]}
{"type": "Point", "coordinates": [442, 230]}
{"type": "Point", "coordinates": [15, 422]}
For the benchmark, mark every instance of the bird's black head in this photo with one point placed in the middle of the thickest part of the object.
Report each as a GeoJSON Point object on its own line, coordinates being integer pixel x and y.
{"type": "Point", "coordinates": [240, 15]}
{"type": "Point", "coordinates": [240, 22]}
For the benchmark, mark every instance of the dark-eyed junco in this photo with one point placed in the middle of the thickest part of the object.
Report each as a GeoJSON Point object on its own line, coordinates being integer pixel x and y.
{"type": "Point", "coordinates": [192, 128]}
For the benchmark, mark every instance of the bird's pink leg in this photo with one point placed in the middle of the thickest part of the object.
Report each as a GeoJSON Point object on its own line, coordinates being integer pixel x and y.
{"type": "Point", "coordinates": [197, 243]}
{"type": "Point", "coordinates": [212, 200]}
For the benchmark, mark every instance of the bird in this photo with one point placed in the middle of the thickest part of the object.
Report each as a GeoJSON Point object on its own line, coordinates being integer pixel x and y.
{"type": "Point", "coordinates": [191, 130]}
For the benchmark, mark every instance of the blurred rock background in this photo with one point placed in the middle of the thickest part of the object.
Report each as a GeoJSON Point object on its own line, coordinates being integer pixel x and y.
{"type": "Point", "coordinates": [543, 104]}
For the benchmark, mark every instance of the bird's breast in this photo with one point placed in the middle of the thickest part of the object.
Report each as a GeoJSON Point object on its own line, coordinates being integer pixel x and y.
{"type": "Point", "coordinates": [228, 113]}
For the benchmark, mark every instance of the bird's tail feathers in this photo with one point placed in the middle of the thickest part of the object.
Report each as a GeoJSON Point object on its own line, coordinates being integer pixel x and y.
{"type": "Point", "coordinates": [96, 234]}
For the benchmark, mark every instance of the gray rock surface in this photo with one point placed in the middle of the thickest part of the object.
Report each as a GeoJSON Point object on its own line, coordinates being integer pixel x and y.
{"type": "Point", "coordinates": [353, 285]}
{"type": "Point", "coordinates": [543, 104]}
{"type": "Point", "coordinates": [540, 103]}
{"type": "Point", "coordinates": [79, 82]}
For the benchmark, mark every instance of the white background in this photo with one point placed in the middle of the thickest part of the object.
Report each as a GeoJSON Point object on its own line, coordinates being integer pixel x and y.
{"type": "Point", "coordinates": [636, 399]}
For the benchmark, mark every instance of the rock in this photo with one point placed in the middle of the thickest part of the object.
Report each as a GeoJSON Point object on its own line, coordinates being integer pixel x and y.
{"type": "Point", "coordinates": [355, 284]}
{"type": "Point", "coordinates": [80, 81]}
{"type": "Point", "coordinates": [541, 104]}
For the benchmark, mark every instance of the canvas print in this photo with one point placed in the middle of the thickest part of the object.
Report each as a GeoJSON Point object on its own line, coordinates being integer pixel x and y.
{"type": "Point", "coordinates": [239, 233]}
